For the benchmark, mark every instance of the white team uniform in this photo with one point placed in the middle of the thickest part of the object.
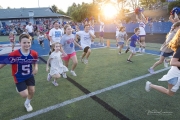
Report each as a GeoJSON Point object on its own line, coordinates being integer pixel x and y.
{"type": "Point", "coordinates": [142, 26]}
{"type": "Point", "coordinates": [56, 35]}
{"type": "Point", "coordinates": [57, 66]}
{"type": "Point", "coordinates": [85, 39]}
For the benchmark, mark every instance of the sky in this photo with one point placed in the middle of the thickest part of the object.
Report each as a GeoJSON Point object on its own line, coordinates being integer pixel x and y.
{"type": "Point", "coordinates": [61, 4]}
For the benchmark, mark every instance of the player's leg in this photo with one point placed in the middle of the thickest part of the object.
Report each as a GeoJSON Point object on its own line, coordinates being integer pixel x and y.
{"type": "Point", "coordinates": [121, 45]}
{"type": "Point", "coordinates": [75, 62]}
{"type": "Point", "coordinates": [92, 40]}
{"type": "Point", "coordinates": [43, 44]}
{"type": "Point", "coordinates": [55, 76]}
{"type": "Point", "coordinates": [100, 39]}
{"type": "Point", "coordinates": [133, 52]}
{"type": "Point", "coordinates": [40, 42]}
{"type": "Point", "coordinates": [26, 89]}
{"type": "Point", "coordinates": [160, 61]}
{"type": "Point", "coordinates": [13, 45]}
{"type": "Point", "coordinates": [88, 52]}
{"type": "Point", "coordinates": [143, 43]}
{"type": "Point", "coordinates": [84, 54]}
{"type": "Point", "coordinates": [140, 47]}
{"type": "Point", "coordinates": [66, 61]}
{"type": "Point", "coordinates": [161, 89]}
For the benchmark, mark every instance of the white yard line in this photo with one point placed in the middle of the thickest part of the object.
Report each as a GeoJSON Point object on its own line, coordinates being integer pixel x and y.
{"type": "Point", "coordinates": [138, 54]}
{"type": "Point", "coordinates": [67, 102]}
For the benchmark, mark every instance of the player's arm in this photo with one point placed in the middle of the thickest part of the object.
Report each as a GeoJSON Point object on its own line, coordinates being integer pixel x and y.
{"type": "Point", "coordinates": [92, 35]}
{"type": "Point", "coordinates": [77, 34]}
{"type": "Point", "coordinates": [77, 44]}
{"type": "Point", "coordinates": [175, 62]}
{"type": "Point", "coordinates": [137, 18]}
{"type": "Point", "coordinates": [144, 18]}
{"type": "Point", "coordinates": [35, 64]}
{"type": "Point", "coordinates": [171, 18]}
{"type": "Point", "coordinates": [62, 51]}
{"type": "Point", "coordinates": [127, 41]}
{"type": "Point", "coordinates": [117, 38]}
{"type": "Point", "coordinates": [47, 65]}
{"type": "Point", "coordinates": [50, 36]}
{"type": "Point", "coordinates": [140, 43]}
{"type": "Point", "coordinates": [125, 37]}
{"type": "Point", "coordinates": [76, 37]}
{"type": "Point", "coordinates": [35, 70]}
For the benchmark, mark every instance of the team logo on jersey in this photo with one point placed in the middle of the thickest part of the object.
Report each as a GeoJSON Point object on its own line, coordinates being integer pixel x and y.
{"type": "Point", "coordinates": [57, 34]}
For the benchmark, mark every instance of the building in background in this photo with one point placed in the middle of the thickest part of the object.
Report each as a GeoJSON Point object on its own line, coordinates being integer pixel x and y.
{"type": "Point", "coordinates": [33, 15]}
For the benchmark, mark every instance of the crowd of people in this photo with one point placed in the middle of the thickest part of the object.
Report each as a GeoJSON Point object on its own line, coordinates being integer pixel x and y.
{"type": "Point", "coordinates": [63, 38]}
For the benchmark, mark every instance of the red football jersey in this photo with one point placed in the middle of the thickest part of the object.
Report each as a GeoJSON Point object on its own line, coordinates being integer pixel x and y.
{"type": "Point", "coordinates": [22, 70]}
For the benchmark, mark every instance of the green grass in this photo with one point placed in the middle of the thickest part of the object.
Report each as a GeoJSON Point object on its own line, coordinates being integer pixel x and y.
{"type": "Point", "coordinates": [149, 46]}
{"type": "Point", "coordinates": [105, 68]}
{"type": "Point", "coordinates": [133, 101]}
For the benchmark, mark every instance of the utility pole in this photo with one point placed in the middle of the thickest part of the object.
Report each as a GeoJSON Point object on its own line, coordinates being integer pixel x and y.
{"type": "Point", "coordinates": [38, 3]}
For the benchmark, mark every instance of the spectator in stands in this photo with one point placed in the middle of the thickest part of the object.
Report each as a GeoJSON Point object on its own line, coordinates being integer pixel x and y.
{"type": "Point", "coordinates": [161, 19]}
{"type": "Point", "coordinates": [13, 31]}
{"type": "Point", "coordinates": [30, 30]}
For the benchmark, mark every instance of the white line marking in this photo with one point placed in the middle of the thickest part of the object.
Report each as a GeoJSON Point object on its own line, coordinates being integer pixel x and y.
{"type": "Point", "coordinates": [157, 58]}
{"type": "Point", "coordinates": [152, 54]}
{"type": "Point", "coordinates": [30, 115]}
{"type": "Point", "coordinates": [138, 54]}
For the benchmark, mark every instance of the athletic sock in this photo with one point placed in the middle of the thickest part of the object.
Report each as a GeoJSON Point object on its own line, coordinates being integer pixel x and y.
{"type": "Point", "coordinates": [27, 101]}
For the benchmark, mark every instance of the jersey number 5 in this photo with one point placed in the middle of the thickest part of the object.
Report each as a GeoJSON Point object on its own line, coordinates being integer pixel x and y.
{"type": "Point", "coordinates": [25, 69]}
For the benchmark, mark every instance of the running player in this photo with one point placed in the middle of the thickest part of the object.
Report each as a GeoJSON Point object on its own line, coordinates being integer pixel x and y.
{"type": "Point", "coordinates": [134, 38]}
{"type": "Point", "coordinates": [57, 67]}
{"type": "Point", "coordinates": [41, 38]}
{"type": "Point", "coordinates": [85, 42]}
{"type": "Point", "coordinates": [121, 38]}
{"type": "Point", "coordinates": [165, 50]}
{"type": "Point", "coordinates": [67, 42]}
{"type": "Point", "coordinates": [24, 67]}
{"type": "Point", "coordinates": [12, 40]}
{"type": "Point", "coordinates": [173, 75]}
{"type": "Point", "coordinates": [55, 34]}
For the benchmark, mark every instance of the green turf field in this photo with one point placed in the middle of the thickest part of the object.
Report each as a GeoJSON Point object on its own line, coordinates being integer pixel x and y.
{"type": "Point", "coordinates": [105, 68]}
